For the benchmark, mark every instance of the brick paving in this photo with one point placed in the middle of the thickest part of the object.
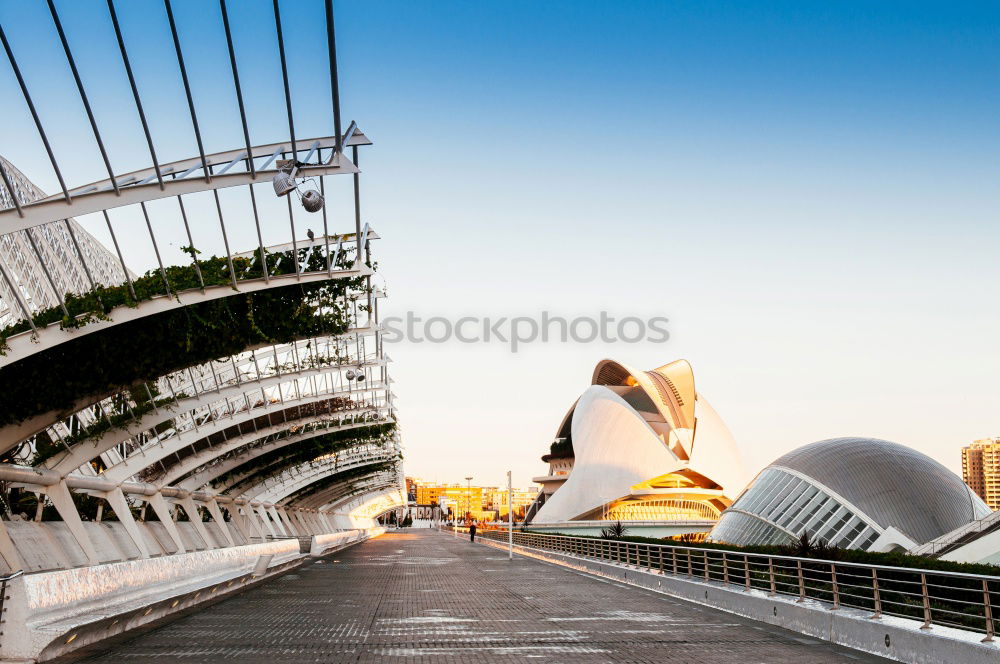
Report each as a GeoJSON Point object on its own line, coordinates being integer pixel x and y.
{"type": "Point", "coordinates": [424, 596]}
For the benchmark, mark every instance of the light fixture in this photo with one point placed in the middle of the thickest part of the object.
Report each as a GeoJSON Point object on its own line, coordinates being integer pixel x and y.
{"type": "Point", "coordinates": [284, 181]}
{"type": "Point", "coordinates": [312, 201]}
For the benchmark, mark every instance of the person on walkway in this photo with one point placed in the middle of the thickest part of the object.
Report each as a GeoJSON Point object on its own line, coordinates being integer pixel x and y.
{"type": "Point", "coordinates": [472, 531]}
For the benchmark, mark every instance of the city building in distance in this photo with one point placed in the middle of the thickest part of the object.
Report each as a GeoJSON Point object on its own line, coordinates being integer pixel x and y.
{"type": "Point", "coordinates": [981, 470]}
{"type": "Point", "coordinates": [643, 448]}
{"type": "Point", "coordinates": [435, 500]}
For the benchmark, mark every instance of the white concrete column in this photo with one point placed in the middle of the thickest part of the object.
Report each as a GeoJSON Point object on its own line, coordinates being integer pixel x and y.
{"type": "Point", "coordinates": [266, 521]}
{"type": "Point", "coordinates": [314, 524]}
{"type": "Point", "coordinates": [213, 509]}
{"type": "Point", "coordinates": [239, 523]}
{"type": "Point", "coordinates": [304, 528]}
{"type": "Point", "coordinates": [253, 521]}
{"type": "Point", "coordinates": [59, 495]}
{"type": "Point", "coordinates": [289, 526]}
{"type": "Point", "coordinates": [162, 509]}
{"type": "Point", "coordinates": [195, 516]}
{"type": "Point", "coordinates": [327, 523]}
{"type": "Point", "coordinates": [116, 499]}
{"type": "Point", "coordinates": [277, 520]}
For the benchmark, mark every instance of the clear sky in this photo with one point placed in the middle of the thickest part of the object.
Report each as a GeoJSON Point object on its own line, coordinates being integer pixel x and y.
{"type": "Point", "coordinates": [810, 192]}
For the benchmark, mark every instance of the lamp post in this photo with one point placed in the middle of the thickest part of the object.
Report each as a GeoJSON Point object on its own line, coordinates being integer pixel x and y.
{"type": "Point", "coordinates": [468, 497]}
{"type": "Point", "coordinates": [510, 519]}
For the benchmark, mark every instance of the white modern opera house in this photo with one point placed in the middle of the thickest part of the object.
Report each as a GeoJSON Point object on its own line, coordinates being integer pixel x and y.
{"type": "Point", "coordinates": [643, 448]}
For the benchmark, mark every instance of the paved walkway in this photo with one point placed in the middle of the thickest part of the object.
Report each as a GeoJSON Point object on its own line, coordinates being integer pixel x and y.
{"type": "Point", "coordinates": [423, 596]}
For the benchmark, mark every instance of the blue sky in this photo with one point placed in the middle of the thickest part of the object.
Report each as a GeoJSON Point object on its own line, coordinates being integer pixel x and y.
{"type": "Point", "coordinates": [809, 191]}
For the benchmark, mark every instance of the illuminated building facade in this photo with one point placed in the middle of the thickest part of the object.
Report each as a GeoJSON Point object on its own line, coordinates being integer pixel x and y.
{"type": "Point", "coordinates": [642, 447]}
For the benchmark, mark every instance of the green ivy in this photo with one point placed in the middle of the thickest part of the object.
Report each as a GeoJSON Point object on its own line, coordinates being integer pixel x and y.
{"type": "Point", "coordinates": [127, 354]}
{"type": "Point", "coordinates": [99, 302]}
{"type": "Point", "coordinates": [341, 477]}
{"type": "Point", "coordinates": [307, 450]}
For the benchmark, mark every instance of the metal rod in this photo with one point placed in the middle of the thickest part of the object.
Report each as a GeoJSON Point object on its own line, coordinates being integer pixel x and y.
{"type": "Point", "coordinates": [331, 47]}
{"type": "Point", "coordinates": [48, 275]}
{"type": "Point", "coordinates": [295, 248]}
{"type": "Point", "coordinates": [239, 90]}
{"type": "Point", "coordinates": [925, 596]}
{"type": "Point", "coordinates": [326, 230]}
{"type": "Point", "coordinates": [34, 113]}
{"type": "Point", "coordinates": [156, 248]}
{"type": "Point", "coordinates": [260, 238]}
{"type": "Point", "coordinates": [836, 587]}
{"type": "Point", "coordinates": [79, 252]}
{"type": "Point", "coordinates": [988, 612]}
{"type": "Point", "coordinates": [17, 296]}
{"type": "Point", "coordinates": [284, 78]}
{"type": "Point", "coordinates": [17, 204]}
{"type": "Point", "coordinates": [877, 596]}
{"type": "Point", "coordinates": [187, 89]}
{"type": "Point", "coordinates": [225, 239]}
{"type": "Point", "coordinates": [194, 252]}
{"type": "Point", "coordinates": [83, 95]}
{"type": "Point", "coordinates": [114, 238]}
{"type": "Point", "coordinates": [135, 90]}
{"type": "Point", "coordinates": [357, 204]}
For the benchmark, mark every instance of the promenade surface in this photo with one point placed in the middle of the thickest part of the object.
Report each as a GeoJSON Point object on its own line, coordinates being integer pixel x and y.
{"type": "Point", "coordinates": [424, 596]}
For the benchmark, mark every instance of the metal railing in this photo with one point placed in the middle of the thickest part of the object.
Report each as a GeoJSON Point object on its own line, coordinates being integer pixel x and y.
{"type": "Point", "coordinates": [953, 599]}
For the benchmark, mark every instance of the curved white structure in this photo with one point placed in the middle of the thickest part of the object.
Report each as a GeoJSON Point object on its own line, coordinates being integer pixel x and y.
{"type": "Point", "coordinates": [642, 446]}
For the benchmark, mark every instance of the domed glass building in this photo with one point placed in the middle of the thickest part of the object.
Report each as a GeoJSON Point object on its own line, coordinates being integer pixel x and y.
{"type": "Point", "coordinates": [856, 493]}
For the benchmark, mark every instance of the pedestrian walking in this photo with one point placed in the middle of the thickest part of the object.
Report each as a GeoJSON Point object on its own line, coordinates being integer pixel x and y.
{"type": "Point", "coordinates": [472, 532]}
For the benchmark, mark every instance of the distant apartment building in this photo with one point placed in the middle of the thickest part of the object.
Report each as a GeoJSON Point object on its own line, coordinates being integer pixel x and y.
{"type": "Point", "coordinates": [464, 498]}
{"type": "Point", "coordinates": [981, 470]}
{"type": "Point", "coordinates": [496, 500]}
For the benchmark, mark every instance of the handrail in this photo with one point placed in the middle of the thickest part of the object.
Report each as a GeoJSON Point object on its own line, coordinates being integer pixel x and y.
{"type": "Point", "coordinates": [937, 597]}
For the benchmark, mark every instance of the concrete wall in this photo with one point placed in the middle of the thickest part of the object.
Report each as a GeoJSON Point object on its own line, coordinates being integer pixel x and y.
{"type": "Point", "coordinates": [51, 613]}
{"type": "Point", "coordinates": [48, 545]}
{"type": "Point", "coordinates": [891, 637]}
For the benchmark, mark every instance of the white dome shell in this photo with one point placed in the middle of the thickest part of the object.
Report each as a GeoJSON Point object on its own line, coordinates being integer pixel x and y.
{"type": "Point", "coordinates": [615, 449]}
{"type": "Point", "coordinates": [716, 454]}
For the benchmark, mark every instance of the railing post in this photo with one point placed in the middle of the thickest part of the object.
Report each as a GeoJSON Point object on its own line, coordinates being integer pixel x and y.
{"type": "Point", "coordinates": [987, 612]}
{"type": "Point", "coordinates": [746, 571]}
{"type": "Point", "coordinates": [673, 553]}
{"type": "Point", "coordinates": [705, 556]}
{"type": "Point", "coordinates": [927, 601]}
{"type": "Point", "coordinates": [725, 569]}
{"type": "Point", "coordinates": [690, 567]}
{"type": "Point", "coordinates": [802, 582]}
{"type": "Point", "coordinates": [660, 554]}
{"type": "Point", "coordinates": [836, 588]}
{"type": "Point", "coordinates": [770, 573]}
{"type": "Point", "coordinates": [876, 596]}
